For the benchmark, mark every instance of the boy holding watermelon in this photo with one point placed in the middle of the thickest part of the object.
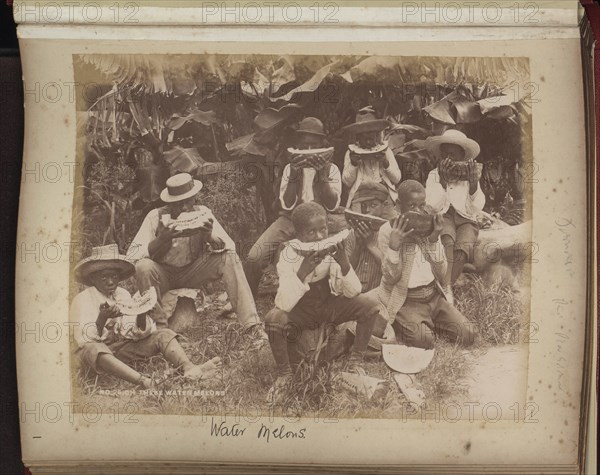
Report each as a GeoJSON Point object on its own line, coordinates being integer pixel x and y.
{"type": "Point", "coordinates": [107, 339]}
{"type": "Point", "coordinates": [317, 285]}
{"type": "Point", "coordinates": [310, 176]}
{"type": "Point", "coordinates": [369, 158]}
{"type": "Point", "coordinates": [414, 286]}
{"type": "Point", "coordinates": [453, 189]}
{"type": "Point", "coordinates": [364, 254]}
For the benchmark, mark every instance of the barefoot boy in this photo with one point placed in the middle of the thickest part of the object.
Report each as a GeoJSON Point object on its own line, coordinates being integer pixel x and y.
{"type": "Point", "coordinates": [414, 273]}
{"type": "Point", "coordinates": [319, 288]}
{"type": "Point", "coordinates": [107, 339]}
{"type": "Point", "coordinates": [453, 189]}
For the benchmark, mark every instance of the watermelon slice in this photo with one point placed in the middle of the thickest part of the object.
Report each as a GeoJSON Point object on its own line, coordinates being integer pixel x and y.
{"type": "Point", "coordinates": [318, 156]}
{"type": "Point", "coordinates": [421, 223]}
{"type": "Point", "coordinates": [187, 221]}
{"type": "Point", "coordinates": [368, 151]}
{"type": "Point", "coordinates": [325, 245]}
{"type": "Point", "coordinates": [374, 222]}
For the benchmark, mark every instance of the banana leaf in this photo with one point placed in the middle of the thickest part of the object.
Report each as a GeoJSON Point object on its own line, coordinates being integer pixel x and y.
{"type": "Point", "coordinates": [466, 111]}
{"type": "Point", "coordinates": [201, 117]}
{"type": "Point", "coordinates": [237, 147]}
{"type": "Point", "coordinates": [411, 129]}
{"type": "Point", "coordinates": [183, 160]}
{"type": "Point", "coordinates": [441, 111]}
{"type": "Point", "coordinates": [151, 180]}
{"type": "Point", "coordinates": [313, 83]}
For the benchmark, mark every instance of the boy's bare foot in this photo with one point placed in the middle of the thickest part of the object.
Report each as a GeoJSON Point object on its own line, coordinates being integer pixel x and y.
{"type": "Point", "coordinates": [207, 370]}
{"type": "Point", "coordinates": [146, 382]}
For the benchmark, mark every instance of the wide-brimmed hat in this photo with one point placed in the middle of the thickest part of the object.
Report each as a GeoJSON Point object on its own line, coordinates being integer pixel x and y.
{"type": "Point", "coordinates": [366, 121]}
{"type": "Point", "coordinates": [104, 258]}
{"type": "Point", "coordinates": [180, 187]}
{"type": "Point", "coordinates": [370, 190]}
{"type": "Point", "coordinates": [310, 126]}
{"type": "Point", "coordinates": [456, 137]}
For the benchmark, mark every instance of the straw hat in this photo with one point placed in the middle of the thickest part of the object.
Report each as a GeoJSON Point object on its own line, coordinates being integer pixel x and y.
{"type": "Point", "coordinates": [366, 122]}
{"type": "Point", "coordinates": [180, 187]}
{"type": "Point", "coordinates": [456, 137]}
{"type": "Point", "coordinates": [103, 258]}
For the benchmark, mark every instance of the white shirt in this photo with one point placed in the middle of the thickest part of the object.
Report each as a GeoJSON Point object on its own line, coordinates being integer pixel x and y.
{"type": "Point", "coordinates": [455, 194]}
{"type": "Point", "coordinates": [84, 313]}
{"type": "Point", "coordinates": [307, 192]}
{"type": "Point", "coordinates": [291, 288]}
{"type": "Point", "coordinates": [420, 273]}
{"type": "Point", "coordinates": [147, 233]}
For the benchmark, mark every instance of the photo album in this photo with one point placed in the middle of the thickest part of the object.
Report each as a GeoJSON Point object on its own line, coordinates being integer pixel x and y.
{"type": "Point", "coordinates": [307, 237]}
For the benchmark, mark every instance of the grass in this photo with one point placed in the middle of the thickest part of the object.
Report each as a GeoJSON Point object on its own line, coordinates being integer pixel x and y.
{"type": "Point", "coordinates": [248, 374]}
{"type": "Point", "coordinates": [496, 308]}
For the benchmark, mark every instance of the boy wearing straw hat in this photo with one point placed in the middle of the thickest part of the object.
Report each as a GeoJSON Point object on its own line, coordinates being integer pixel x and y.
{"type": "Point", "coordinates": [303, 179]}
{"type": "Point", "coordinates": [107, 339]}
{"type": "Point", "coordinates": [453, 189]}
{"type": "Point", "coordinates": [369, 158]}
{"type": "Point", "coordinates": [167, 258]}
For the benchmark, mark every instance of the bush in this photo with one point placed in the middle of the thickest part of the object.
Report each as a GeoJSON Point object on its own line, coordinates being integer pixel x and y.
{"type": "Point", "coordinates": [236, 207]}
{"type": "Point", "coordinates": [108, 212]}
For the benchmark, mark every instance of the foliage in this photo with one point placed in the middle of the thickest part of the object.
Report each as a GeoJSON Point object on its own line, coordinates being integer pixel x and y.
{"type": "Point", "coordinates": [109, 215]}
{"type": "Point", "coordinates": [231, 198]}
{"type": "Point", "coordinates": [189, 109]}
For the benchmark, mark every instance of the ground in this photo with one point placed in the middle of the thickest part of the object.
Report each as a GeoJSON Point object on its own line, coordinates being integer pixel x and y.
{"type": "Point", "coordinates": [248, 374]}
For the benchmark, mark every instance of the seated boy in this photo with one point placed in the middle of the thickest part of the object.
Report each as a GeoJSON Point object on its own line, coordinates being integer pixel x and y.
{"type": "Point", "coordinates": [313, 290]}
{"type": "Point", "coordinates": [365, 256]}
{"type": "Point", "coordinates": [167, 258]}
{"type": "Point", "coordinates": [414, 274]}
{"type": "Point", "coordinates": [459, 198]}
{"type": "Point", "coordinates": [108, 340]}
{"type": "Point", "coordinates": [320, 182]}
{"type": "Point", "coordinates": [369, 158]}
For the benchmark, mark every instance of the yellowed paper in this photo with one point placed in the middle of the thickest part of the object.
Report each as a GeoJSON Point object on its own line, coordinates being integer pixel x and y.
{"type": "Point", "coordinates": [533, 421]}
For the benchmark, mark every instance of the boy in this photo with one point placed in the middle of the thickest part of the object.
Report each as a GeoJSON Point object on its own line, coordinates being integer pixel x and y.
{"type": "Point", "coordinates": [108, 340]}
{"type": "Point", "coordinates": [413, 270]}
{"type": "Point", "coordinates": [459, 198]}
{"type": "Point", "coordinates": [318, 288]}
{"type": "Point", "coordinates": [321, 183]}
{"type": "Point", "coordinates": [169, 259]}
{"type": "Point", "coordinates": [362, 248]}
{"type": "Point", "coordinates": [369, 158]}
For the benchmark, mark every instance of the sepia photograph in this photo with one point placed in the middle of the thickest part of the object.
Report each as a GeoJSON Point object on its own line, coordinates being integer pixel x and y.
{"type": "Point", "coordinates": [345, 236]}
